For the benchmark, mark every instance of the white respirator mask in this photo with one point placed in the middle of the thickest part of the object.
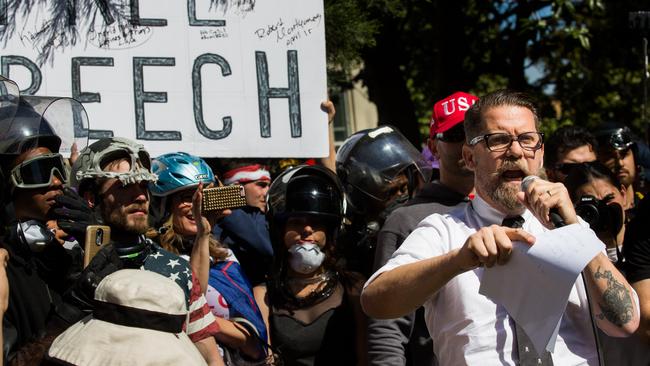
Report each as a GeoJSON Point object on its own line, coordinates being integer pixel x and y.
{"type": "Point", "coordinates": [306, 257]}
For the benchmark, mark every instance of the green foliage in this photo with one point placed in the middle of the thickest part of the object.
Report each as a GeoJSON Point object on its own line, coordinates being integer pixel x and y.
{"type": "Point", "coordinates": [349, 30]}
{"type": "Point", "coordinates": [578, 58]}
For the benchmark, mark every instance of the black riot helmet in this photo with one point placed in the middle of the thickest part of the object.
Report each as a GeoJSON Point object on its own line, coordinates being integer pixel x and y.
{"type": "Point", "coordinates": [306, 191]}
{"type": "Point", "coordinates": [28, 122]}
{"type": "Point", "coordinates": [369, 161]}
{"type": "Point", "coordinates": [615, 135]}
{"type": "Point", "coordinates": [27, 129]}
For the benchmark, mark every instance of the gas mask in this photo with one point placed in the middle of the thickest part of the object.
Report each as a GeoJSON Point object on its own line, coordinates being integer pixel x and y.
{"type": "Point", "coordinates": [305, 258]}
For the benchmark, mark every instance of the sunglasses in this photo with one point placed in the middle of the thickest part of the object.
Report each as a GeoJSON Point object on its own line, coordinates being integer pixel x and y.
{"type": "Point", "coordinates": [455, 134]}
{"type": "Point", "coordinates": [39, 171]}
{"type": "Point", "coordinates": [566, 168]}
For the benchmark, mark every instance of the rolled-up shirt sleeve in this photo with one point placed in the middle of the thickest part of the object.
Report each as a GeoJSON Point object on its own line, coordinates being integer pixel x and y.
{"type": "Point", "coordinates": [430, 239]}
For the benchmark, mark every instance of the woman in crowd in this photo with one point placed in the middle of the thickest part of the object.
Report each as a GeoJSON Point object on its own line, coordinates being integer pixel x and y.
{"type": "Point", "coordinates": [594, 188]}
{"type": "Point", "coordinates": [315, 314]}
{"type": "Point", "coordinates": [186, 230]}
{"type": "Point", "coordinates": [599, 198]}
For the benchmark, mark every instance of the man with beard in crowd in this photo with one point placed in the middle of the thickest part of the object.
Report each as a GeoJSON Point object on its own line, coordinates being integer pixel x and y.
{"type": "Point", "coordinates": [441, 263]}
{"type": "Point", "coordinates": [112, 177]}
{"type": "Point", "coordinates": [618, 151]}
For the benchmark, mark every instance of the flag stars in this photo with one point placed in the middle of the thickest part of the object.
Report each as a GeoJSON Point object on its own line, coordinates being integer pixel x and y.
{"type": "Point", "coordinates": [156, 255]}
{"type": "Point", "coordinates": [173, 263]}
{"type": "Point", "coordinates": [174, 276]}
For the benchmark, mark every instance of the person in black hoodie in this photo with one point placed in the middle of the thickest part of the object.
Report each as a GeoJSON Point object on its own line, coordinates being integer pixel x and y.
{"type": "Point", "coordinates": [41, 268]}
{"type": "Point", "coordinates": [406, 340]}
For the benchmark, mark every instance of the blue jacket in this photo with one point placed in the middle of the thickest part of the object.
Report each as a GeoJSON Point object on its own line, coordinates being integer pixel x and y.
{"type": "Point", "coordinates": [228, 278]}
{"type": "Point", "coordinates": [246, 233]}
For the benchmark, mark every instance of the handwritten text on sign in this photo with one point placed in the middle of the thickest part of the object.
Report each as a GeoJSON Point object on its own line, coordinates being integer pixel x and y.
{"type": "Point", "coordinates": [217, 78]}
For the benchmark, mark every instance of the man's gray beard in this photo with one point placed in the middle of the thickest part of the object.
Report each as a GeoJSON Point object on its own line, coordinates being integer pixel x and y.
{"type": "Point", "coordinates": [505, 195]}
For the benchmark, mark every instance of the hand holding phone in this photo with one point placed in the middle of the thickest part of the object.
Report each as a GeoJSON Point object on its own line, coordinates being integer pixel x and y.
{"type": "Point", "coordinates": [96, 237]}
{"type": "Point", "coordinates": [221, 198]}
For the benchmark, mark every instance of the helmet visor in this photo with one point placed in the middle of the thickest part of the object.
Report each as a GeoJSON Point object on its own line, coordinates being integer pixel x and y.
{"type": "Point", "coordinates": [39, 171]}
{"type": "Point", "coordinates": [67, 117]}
{"type": "Point", "coordinates": [312, 194]}
{"type": "Point", "coordinates": [42, 122]}
{"type": "Point", "coordinates": [9, 96]}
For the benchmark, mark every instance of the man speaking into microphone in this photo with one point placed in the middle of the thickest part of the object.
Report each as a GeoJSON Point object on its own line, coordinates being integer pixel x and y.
{"type": "Point", "coordinates": [440, 265]}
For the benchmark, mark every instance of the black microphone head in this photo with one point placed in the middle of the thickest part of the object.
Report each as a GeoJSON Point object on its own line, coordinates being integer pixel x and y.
{"type": "Point", "coordinates": [527, 180]}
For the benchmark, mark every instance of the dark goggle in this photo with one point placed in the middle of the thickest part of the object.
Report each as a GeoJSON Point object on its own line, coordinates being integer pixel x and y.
{"type": "Point", "coordinates": [455, 134]}
{"type": "Point", "coordinates": [39, 171]}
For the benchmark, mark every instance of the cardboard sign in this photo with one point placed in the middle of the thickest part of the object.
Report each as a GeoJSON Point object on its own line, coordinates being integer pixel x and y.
{"type": "Point", "coordinates": [215, 78]}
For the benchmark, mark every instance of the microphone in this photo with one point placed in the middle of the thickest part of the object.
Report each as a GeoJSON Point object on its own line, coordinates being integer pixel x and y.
{"type": "Point", "coordinates": [553, 214]}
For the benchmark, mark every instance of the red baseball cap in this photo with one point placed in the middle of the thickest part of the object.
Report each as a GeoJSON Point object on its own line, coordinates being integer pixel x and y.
{"type": "Point", "coordinates": [449, 112]}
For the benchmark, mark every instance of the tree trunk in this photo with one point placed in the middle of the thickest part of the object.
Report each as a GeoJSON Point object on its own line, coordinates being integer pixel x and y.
{"type": "Point", "coordinates": [387, 85]}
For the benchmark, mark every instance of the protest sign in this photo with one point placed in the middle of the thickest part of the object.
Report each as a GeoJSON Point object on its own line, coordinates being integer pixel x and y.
{"type": "Point", "coordinates": [216, 78]}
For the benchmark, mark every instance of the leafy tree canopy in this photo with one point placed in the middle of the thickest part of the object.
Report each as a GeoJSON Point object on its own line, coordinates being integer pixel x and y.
{"type": "Point", "coordinates": [579, 58]}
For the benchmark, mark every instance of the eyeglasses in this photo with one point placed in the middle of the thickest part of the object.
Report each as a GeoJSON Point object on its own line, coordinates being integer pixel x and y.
{"type": "Point", "coordinates": [455, 134]}
{"type": "Point", "coordinates": [39, 171]}
{"type": "Point", "coordinates": [531, 141]}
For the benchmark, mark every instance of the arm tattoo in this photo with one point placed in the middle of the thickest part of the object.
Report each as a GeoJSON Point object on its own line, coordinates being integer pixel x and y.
{"type": "Point", "coordinates": [616, 303]}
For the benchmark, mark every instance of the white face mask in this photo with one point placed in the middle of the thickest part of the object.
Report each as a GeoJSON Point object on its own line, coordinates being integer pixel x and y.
{"type": "Point", "coordinates": [35, 235]}
{"type": "Point", "coordinates": [305, 258]}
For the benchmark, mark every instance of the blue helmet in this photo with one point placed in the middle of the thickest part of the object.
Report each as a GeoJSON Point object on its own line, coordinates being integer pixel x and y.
{"type": "Point", "coordinates": [179, 171]}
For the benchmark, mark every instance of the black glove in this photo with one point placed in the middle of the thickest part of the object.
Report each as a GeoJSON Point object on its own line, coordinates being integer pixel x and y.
{"type": "Point", "coordinates": [73, 214]}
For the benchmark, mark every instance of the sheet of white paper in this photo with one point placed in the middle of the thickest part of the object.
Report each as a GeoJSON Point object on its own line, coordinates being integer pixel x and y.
{"type": "Point", "coordinates": [534, 285]}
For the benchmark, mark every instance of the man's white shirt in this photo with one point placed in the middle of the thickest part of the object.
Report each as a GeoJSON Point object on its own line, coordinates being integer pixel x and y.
{"type": "Point", "coordinates": [468, 328]}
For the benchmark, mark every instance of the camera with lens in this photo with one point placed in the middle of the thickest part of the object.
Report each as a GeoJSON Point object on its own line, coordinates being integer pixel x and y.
{"type": "Point", "coordinates": [601, 215]}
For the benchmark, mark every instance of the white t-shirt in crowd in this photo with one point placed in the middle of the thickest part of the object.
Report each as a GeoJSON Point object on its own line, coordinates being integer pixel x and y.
{"type": "Point", "coordinates": [468, 328]}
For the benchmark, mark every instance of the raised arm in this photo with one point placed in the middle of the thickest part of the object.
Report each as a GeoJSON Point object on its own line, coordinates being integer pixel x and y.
{"type": "Point", "coordinates": [200, 256]}
{"type": "Point", "coordinates": [401, 290]}
{"type": "Point", "coordinates": [330, 160]}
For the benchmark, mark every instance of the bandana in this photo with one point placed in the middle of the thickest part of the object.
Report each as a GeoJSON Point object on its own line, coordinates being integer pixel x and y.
{"type": "Point", "coordinates": [246, 174]}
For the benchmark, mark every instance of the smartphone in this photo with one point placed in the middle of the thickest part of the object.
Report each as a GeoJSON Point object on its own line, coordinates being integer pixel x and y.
{"type": "Point", "coordinates": [96, 237]}
{"type": "Point", "coordinates": [221, 198]}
